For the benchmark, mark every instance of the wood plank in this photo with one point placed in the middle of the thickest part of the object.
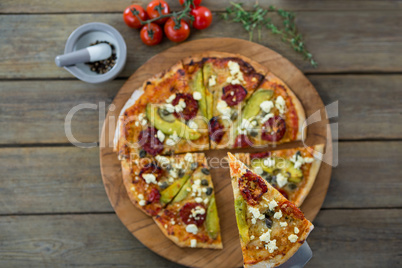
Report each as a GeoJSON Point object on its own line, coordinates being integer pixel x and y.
{"type": "Point", "coordinates": [67, 179]}
{"type": "Point", "coordinates": [51, 180]}
{"type": "Point", "coordinates": [73, 6]}
{"type": "Point", "coordinates": [338, 41]}
{"type": "Point", "coordinates": [369, 105]}
{"type": "Point", "coordinates": [341, 238]}
{"type": "Point", "coordinates": [35, 111]}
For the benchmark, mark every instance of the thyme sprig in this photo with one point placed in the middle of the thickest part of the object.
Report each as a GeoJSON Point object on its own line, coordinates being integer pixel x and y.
{"type": "Point", "coordinates": [259, 18]}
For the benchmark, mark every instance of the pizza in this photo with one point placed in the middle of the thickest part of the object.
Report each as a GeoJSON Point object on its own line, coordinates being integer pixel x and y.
{"type": "Point", "coordinates": [191, 219]}
{"type": "Point", "coordinates": [291, 171]}
{"type": "Point", "coordinates": [211, 100]}
{"type": "Point", "coordinates": [271, 228]}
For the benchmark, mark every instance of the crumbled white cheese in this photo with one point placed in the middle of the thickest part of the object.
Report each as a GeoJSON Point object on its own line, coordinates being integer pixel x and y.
{"type": "Point", "coordinates": [178, 108]}
{"type": "Point", "coordinates": [197, 95]}
{"type": "Point", "coordinates": [141, 116]}
{"type": "Point", "coordinates": [258, 170]}
{"type": "Point", "coordinates": [281, 180]}
{"type": "Point", "coordinates": [137, 123]}
{"type": "Point", "coordinates": [257, 247]}
{"type": "Point", "coordinates": [297, 160]}
{"type": "Point", "coordinates": [266, 118]}
{"type": "Point", "coordinates": [212, 81]}
{"type": "Point", "coordinates": [234, 69]}
{"type": "Point", "coordinates": [188, 157]}
{"type": "Point", "coordinates": [144, 122]}
{"type": "Point", "coordinates": [296, 230]}
{"type": "Point", "coordinates": [272, 246]}
{"type": "Point", "coordinates": [292, 238]}
{"type": "Point", "coordinates": [283, 224]}
{"type": "Point", "coordinates": [141, 196]}
{"type": "Point", "coordinates": [198, 210]}
{"type": "Point", "coordinates": [171, 98]}
{"type": "Point", "coordinates": [192, 228]}
{"type": "Point", "coordinates": [192, 125]}
{"type": "Point", "coordinates": [266, 106]}
{"type": "Point", "coordinates": [265, 237]}
{"type": "Point", "coordinates": [169, 108]}
{"type": "Point", "coordinates": [198, 199]}
{"type": "Point", "coordinates": [278, 215]}
{"type": "Point", "coordinates": [160, 135]}
{"type": "Point", "coordinates": [173, 173]}
{"type": "Point", "coordinates": [280, 104]}
{"type": "Point", "coordinates": [269, 162]}
{"type": "Point", "coordinates": [206, 200]}
{"type": "Point", "coordinates": [308, 160]}
{"type": "Point", "coordinates": [252, 237]}
{"type": "Point", "coordinates": [170, 142]}
{"type": "Point", "coordinates": [273, 204]}
{"type": "Point", "coordinates": [132, 188]}
{"type": "Point", "coordinates": [142, 203]}
{"type": "Point", "coordinates": [223, 107]}
{"type": "Point", "coordinates": [171, 180]}
{"type": "Point", "coordinates": [149, 178]}
{"type": "Point", "coordinates": [182, 103]}
{"type": "Point", "coordinates": [256, 213]}
{"type": "Point", "coordinates": [162, 160]}
{"type": "Point", "coordinates": [193, 243]}
{"type": "Point", "coordinates": [253, 221]}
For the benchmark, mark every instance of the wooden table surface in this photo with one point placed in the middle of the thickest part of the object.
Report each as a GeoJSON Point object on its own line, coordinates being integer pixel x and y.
{"type": "Point", "coordinates": [53, 208]}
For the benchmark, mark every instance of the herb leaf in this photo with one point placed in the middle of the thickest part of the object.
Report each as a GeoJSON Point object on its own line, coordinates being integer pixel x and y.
{"type": "Point", "coordinates": [260, 17]}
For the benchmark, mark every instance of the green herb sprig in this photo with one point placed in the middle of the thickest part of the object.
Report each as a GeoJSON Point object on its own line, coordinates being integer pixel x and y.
{"type": "Point", "coordinates": [260, 17]}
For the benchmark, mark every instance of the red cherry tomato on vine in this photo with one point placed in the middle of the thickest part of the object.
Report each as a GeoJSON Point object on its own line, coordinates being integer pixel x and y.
{"type": "Point", "coordinates": [130, 19]}
{"type": "Point", "coordinates": [151, 34]}
{"type": "Point", "coordinates": [195, 2]}
{"type": "Point", "coordinates": [202, 17]}
{"type": "Point", "coordinates": [154, 13]}
{"type": "Point", "coordinates": [177, 35]}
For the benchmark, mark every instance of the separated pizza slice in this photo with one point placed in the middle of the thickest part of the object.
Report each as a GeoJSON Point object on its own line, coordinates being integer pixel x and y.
{"type": "Point", "coordinates": [291, 171]}
{"type": "Point", "coordinates": [271, 228]}
{"type": "Point", "coordinates": [160, 118]}
{"type": "Point", "coordinates": [152, 183]}
{"type": "Point", "coordinates": [272, 115]}
{"type": "Point", "coordinates": [191, 219]}
{"type": "Point", "coordinates": [231, 79]}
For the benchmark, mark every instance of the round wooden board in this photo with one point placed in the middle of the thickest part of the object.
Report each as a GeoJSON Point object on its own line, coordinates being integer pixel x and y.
{"type": "Point", "coordinates": [142, 226]}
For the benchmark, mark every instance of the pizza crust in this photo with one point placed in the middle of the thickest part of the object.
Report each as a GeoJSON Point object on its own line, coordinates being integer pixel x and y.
{"type": "Point", "coordinates": [315, 167]}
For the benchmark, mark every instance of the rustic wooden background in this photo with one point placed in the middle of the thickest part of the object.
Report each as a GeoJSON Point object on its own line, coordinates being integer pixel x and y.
{"type": "Point", "coordinates": [53, 207]}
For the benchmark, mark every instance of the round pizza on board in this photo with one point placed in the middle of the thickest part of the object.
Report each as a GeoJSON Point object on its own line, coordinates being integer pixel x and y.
{"type": "Point", "coordinates": [271, 228]}
{"type": "Point", "coordinates": [216, 100]}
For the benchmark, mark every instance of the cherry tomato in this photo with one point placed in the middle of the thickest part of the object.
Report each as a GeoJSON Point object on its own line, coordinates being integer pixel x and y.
{"type": "Point", "coordinates": [153, 13]}
{"type": "Point", "coordinates": [195, 2]}
{"type": "Point", "coordinates": [177, 35]}
{"type": "Point", "coordinates": [151, 34]}
{"type": "Point", "coordinates": [202, 17]}
{"type": "Point", "coordinates": [131, 20]}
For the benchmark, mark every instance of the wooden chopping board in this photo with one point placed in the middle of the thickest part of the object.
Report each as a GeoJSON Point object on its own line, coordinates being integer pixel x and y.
{"type": "Point", "coordinates": [142, 226]}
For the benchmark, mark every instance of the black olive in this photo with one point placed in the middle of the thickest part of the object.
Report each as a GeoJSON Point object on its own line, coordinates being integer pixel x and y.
{"type": "Point", "coordinates": [264, 173]}
{"type": "Point", "coordinates": [273, 180]}
{"type": "Point", "coordinates": [204, 182]}
{"type": "Point", "coordinates": [268, 222]}
{"type": "Point", "coordinates": [269, 213]}
{"type": "Point", "coordinates": [276, 171]}
{"type": "Point", "coordinates": [164, 185]}
{"type": "Point", "coordinates": [205, 171]}
{"type": "Point", "coordinates": [209, 191]}
{"type": "Point", "coordinates": [292, 186]}
{"type": "Point", "coordinates": [181, 173]}
{"type": "Point", "coordinates": [233, 117]}
{"type": "Point", "coordinates": [169, 167]}
{"type": "Point", "coordinates": [194, 165]}
{"type": "Point", "coordinates": [253, 133]}
{"type": "Point", "coordinates": [268, 178]}
{"type": "Point", "coordinates": [298, 153]}
{"type": "Point", "coordinates": [143, 153]}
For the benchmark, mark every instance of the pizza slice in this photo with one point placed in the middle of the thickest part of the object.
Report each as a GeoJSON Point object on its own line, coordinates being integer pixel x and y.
{"type": "Point", "coordinates": [191, 219]}
{"type": "Point", "coordinates": [291, 171]}
{"type": "Point", "coordinates": [271, 228]}
{"type": "Point", "coordinates": [231, 79]}
{"type": "Point", "coordinates": [158, 119]}
{"type": "Point", "coordinates": [272, 115]}
{"type": "Point", "coordinates": [152, 183]}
